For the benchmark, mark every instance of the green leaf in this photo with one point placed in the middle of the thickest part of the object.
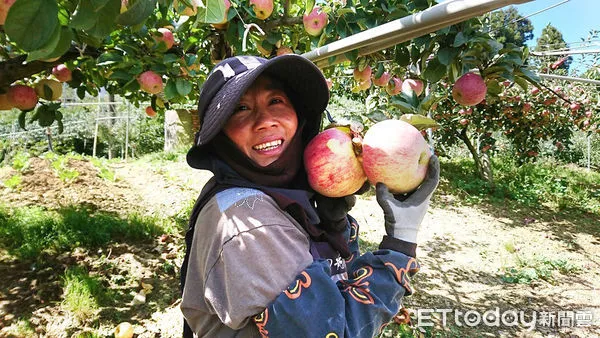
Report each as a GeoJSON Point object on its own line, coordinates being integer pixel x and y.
{"type": "Point", "coordinates": [419, 121]}
{"type": "Point", "coordinates": [183, 86]}
{"type": "Point", "coordinates": [214, 12]}
{"type": "Point", "coordinates": [459, 40]}
{"type": "Point", "coordinates": [31, 23]}
{"type": "Point", "coordinates": [380, 70]}
{"type": "Point", "coordinates": [138, 13]}
{"type": "Point", "coordinates": [170, 90]}
{"type": "Point", "coordinates": [121, 75]}
{"type": "Point", "coordinates": [435, 70]}
{"type": "Point", "coordinates": [84, 16]}
{"type": "Point", "coordinates": [44, 52]}
{"type": "Point", "coordinates": [22, 120]}
{"type": "Point", "coordinates": [493, 87]}
{"type": "Point", "coordinates": [66, 37]}
{"type": "Point", "coordinates": [530, 76]}
{"type": "Point", "coordinates": [521, 82]}
{"type": "Point", "coordinates": [447, 54]}
{"type": "Point", "coordinates": [403, 106]}
{"type": "Point", "coordinates": [308, 7]}
{"type": "Point", "coordinates": [61, 127]}
{"type": "Point", "coordinates": [170, 58]}
{"type": "Point", "coordinates": [109, 58]}
{"type": "Point", "coordinates": [402, 56]}
{"type": "Point", "coordinates": [106, 19]}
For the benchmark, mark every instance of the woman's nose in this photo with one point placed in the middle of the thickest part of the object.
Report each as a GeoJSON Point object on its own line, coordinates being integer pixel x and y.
{"type": "Point", "coordinates": [264, 118]}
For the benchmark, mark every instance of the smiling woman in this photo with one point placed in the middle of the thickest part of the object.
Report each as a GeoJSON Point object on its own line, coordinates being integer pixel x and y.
{"type": "Point", "coordinates": [258, 228]}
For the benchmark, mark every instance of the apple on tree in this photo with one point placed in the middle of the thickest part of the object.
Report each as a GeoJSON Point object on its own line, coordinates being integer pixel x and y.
{"type": "Point", "coordinates": [383, 80]}
{"type": "Point", "coordinates": [48, 89]}
{"type": "Point", "coordinates": [412, 85]}
{"type": "Point", "coordinates": [22, 97]}
{"type": "Point", "coordinates": [315, 21]}
{"type": "Point", "coordinates": [150, 82]}
{"type": "Point", "coordinates": [394, 87]}
{"type": "Point", "coordinates": [262, 8]}
{"type": "Point", "coordinates": [469, 89]}
{"type": "Point", "coordinates": [150, 111]}
{"type": "Point", "coordinates": [61, 73]}
{"type": "Point", "coordinates": [362, 75]}
{"type": "Point", "coordinates": [166, 36]}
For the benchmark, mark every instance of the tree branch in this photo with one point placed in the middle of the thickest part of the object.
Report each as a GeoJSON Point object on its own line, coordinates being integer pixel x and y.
{"type": "Point", "coordinates": [16, 68]}
{"type": "Point", "coordinates": [284, 21]}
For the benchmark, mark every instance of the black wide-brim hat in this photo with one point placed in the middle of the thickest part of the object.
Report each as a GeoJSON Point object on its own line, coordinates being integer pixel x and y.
{"type": "Point", "coordinates": [231, 78]}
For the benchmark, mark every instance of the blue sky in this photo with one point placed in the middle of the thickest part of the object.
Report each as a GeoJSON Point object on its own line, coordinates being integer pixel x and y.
{"type": "Point", "coordinates": [574, 19]}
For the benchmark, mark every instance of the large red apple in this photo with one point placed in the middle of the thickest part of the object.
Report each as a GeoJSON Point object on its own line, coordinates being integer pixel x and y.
{"type": "Point", "coordinates": [315, 21]}
{"type": "Point", "coordinates": [395, 153]}
{"type": "Point", "coordinates": [331, 164]}
{"type": "Point", "coordinates": [469, 89]}
{"type": "Point", "coordinates": [412, 85]}
{"type": "Point", "coordinates": [150, 82]}
{"type": "Point", "coordinates": [22, 97]}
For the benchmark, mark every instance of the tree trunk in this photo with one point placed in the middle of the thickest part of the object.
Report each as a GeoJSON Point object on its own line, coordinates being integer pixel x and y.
{"type": "Point", "coordinates": [483, 165]}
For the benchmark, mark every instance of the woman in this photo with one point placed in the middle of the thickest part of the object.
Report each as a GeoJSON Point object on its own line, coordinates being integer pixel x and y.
{"type": "Point", "coordinates": [266, 255]}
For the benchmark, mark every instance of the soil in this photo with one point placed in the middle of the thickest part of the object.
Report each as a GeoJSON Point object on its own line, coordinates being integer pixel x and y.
{"type": "Point", "coordinates": [464, 251]}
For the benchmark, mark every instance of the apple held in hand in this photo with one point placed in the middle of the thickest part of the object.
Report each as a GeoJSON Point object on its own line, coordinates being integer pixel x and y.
{"type": "Point", "coordinates": [395, 153]}
{"type": "Point", "coordinates": [333, 168]}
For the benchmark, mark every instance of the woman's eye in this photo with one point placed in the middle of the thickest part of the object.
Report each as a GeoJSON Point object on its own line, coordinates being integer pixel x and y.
{"type": "Point", "coordinates": [242, 108]}
{"type": "Point", "coordinates": [276, 100]}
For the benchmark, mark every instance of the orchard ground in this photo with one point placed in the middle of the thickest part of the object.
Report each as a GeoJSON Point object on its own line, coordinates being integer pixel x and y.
{"type": "Point", "coordinates": [474, 256]}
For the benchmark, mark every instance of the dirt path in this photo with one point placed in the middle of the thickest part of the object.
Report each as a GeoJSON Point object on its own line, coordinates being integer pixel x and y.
{"type": "Point", "coordinates": [466, 254]}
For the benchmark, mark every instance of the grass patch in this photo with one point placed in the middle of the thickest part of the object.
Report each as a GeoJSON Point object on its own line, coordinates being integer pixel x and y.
{"type": "Point", "coordinates": [81, 294]}
{"type": "Point", "coordinates": [26, 232]}
{"type": "Point", "coordinates": [104, 171]}
{"type": "Point", "coordinates": [20, 161]}
{"type": "Point", "coordinates": [529, 270]}
{"type": "Point", "coordinates": [13, 182]}
{"type": "Point", "coordinates": [559, 187]}
{"type": "Point", "coordinates": [21, 328]}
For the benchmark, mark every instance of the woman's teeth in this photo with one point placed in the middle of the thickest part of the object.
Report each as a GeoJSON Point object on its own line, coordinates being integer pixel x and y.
{"type": "Point", "coordinates": [268, 145]}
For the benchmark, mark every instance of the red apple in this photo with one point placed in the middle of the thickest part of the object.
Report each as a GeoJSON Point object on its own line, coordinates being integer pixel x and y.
{"type": "Point", "coordinates": [150, 111]}
{"type": "Point", "coordinates": [150, 82]}
{"type": "Point", "coordinates": [165, 36]}
{"type": "Point", "coordinates": [22, 97]}
{"type": "Point", "coordinates": [395, 153]}
{"type": "Point", "coordinates": [464, 122]}
{"type": "Point", "coordinates": [527, 107]}
{"type": "Point", "coordinates": [574, 106]}
{"type": "Point", "coordinates": [395, 87]}
{"type": "Point", "coordinates": [412, 85]}
{"type": "Point", "coordinates": [535, 91]}
{"type": "Point", "coordinates": [331, 164]}
{"type": "Point", "coordinates": [469, 89]}
{"type": "Point", "coordinates": [315, 21]}
{"type": "Point", "coordinates": [4, 7]}
{"type": "Point", "coordinates": [383, 80]}
{"type": "Point", "coordinates": [61, 73]}
{"type": "Point", "coordinates": [262, 8]}
{"type": "Point", "coordinates": [362, 75]}
{"type": "Point", "coordinates": [588, 114]}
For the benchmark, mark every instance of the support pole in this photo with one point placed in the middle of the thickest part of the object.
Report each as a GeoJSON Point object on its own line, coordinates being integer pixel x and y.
{"type": "Point", "coordinates": [403, 29]}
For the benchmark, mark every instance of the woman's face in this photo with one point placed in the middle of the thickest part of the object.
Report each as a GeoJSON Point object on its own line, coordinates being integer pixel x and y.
{"type": "Point", "coordinates": [263, 123]}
